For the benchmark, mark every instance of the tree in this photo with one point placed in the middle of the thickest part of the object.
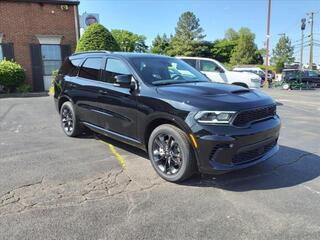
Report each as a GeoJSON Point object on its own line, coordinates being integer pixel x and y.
{"type": "Point", "coordinates": [222, 49]}
{"type": "Point", "coordinates": [231, 35]}
{"type": "Point", "coordinates": [202, 49]}
{"type": "Point", "coordinates": [188, 34]}
{"type": "Point", "coordinates": [128, 41]}
{"type": "Point", "coordinates": [160, 44]}
{"type": "Point", "coordinates": [97, 37]}
{"type": "Point", "coordinates": [283, 52]}
{"type": "Point", "coordinates": [246, 51]}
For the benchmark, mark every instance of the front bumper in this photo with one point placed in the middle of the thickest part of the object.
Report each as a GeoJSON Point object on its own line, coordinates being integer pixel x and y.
{"type": "Point", "coordinates": [255, 84]}
{"type": "Point", "coordinates": [226, 148]}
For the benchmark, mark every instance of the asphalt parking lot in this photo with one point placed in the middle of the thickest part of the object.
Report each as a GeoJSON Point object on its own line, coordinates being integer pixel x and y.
{"type": "Point", "coordinates": [54, 187]}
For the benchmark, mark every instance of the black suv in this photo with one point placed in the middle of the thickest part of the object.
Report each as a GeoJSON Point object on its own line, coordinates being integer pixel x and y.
{"type": "Point", "coordinates": [168, 108]}
{"type": "Point", "coordinates": [308, 77]}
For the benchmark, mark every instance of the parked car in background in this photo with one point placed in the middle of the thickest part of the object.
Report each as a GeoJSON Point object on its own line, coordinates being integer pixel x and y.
{"type": "Point", "coordinates": [256, 71]}
{"type": "Point", "coordinates": [292, 77]}
{"type": "Point", "coordinates": [166, 107]}
{"type": "Point", "coordinates": [216, 72]}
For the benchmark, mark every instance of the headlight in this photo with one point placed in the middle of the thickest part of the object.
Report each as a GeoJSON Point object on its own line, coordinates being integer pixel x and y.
{"type": "Point", "coordinates": [255, 79]}
{"type": "Point", "coordinates": [215, 117]}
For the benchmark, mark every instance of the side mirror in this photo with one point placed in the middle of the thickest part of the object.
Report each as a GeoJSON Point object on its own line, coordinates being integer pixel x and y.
{"type": "Point", "coordinates": [220, 70]}
{"type": "Point", "coordinates": [126, 81]}
{"type": "Point", "coordinates": [123, 80]}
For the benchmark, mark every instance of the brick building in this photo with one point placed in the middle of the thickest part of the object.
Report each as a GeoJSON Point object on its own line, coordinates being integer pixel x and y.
{"type": "Point", "coordinates": [38, 34]}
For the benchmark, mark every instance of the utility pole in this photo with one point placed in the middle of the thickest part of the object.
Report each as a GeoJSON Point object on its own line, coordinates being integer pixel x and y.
{"type": "Point", "coordinates": [311, 41]}
{"type": "Point", "coordinates": [303, 27]}
{"type": "Point", "coordinates": [267, 42]}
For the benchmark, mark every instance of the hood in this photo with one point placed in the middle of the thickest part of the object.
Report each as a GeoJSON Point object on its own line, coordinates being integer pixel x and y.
{"type": "Point", "coordinates": [243, 75]}
{"type": "Point", "coordinates": [214, 96]}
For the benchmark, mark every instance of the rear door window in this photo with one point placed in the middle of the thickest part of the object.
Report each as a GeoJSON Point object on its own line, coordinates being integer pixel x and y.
{"type": "Point", "coordinates": [91, 69]}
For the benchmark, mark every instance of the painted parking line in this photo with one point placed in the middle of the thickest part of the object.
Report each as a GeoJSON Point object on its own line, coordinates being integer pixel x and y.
{"type": "Point", "coordinates": [117, 155]}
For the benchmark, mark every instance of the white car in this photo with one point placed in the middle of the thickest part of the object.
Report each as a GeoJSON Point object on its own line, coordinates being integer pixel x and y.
{"type": "Point", "coordinates": [255, 70]}
{"type": "Point", "coordinates": [216, 72]}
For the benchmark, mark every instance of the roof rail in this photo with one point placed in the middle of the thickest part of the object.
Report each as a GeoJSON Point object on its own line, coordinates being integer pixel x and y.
{"type": "Point", "coordinates": [86, 52]}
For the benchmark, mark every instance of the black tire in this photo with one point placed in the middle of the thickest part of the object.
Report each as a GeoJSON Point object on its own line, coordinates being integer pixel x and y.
{"type": "Point", "coordinates": [179, 153]}
{"type": "Point", "coordinates": [69, 122]}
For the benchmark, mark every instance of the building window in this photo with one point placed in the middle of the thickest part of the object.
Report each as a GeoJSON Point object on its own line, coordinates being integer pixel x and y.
{"type": "Point", "coordinates": [51, 58]}
{"type": "Point", "coordinates": [1, 54]}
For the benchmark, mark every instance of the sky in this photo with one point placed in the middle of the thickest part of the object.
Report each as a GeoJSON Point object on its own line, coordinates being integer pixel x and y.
{"type": "Point", "coordinates": [152, 17]}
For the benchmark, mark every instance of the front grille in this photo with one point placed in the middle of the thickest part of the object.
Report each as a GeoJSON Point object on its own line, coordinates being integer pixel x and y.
{"type": "Point", "coordinates": [253, 154]}
{"type": "Point", "coordinates": [248, 116]}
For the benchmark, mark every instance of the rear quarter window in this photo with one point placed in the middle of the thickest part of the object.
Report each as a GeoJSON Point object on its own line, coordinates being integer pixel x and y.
{"type": "Point", "coordinates": [91, 68]}
{"type": "Point", "coordinates": [70, 67]}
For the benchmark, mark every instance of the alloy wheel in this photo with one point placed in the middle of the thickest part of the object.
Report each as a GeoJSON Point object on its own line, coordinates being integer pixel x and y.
{"type": "Point", "coordinates": [167, 154]}
{"type": "Point", "coordinates": [67, 120]}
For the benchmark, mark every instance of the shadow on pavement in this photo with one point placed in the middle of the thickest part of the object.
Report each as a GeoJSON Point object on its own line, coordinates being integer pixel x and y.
{"type": "Point", "coordinates": [289, 167]}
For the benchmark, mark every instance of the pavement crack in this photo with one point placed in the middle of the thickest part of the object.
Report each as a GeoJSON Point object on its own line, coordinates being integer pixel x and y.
{"type": "Point", "coordinates": [3, 116]}
{"type": "Point", "coordinates": [41, 195]}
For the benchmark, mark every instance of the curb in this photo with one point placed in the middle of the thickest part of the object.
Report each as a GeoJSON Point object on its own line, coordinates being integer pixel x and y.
{"type": "Point", "coordinates": [24, 95]}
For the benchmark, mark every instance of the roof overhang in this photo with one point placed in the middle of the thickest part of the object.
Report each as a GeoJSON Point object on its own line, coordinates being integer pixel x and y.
{"type": "Point", "coordinates": [61, 2]}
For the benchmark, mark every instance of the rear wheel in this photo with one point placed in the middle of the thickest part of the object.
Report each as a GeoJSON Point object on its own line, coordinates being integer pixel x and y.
{"type": "Point", "coordinates": [69, 122]}
{"type": "Point", "coordinates": [171, 154]}
{"type": "Point", "coordinates": [286, 86]}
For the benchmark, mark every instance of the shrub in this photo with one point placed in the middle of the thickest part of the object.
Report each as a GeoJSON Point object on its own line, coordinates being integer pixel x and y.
{"type": "Point", "coordinates": [97, 37]}
{"type": "Point", "coordinates": [24, 88]}
{"type": "Point", "coordinates": [12, 75]}
{"type": "Point", "coordinates": [54, 77]}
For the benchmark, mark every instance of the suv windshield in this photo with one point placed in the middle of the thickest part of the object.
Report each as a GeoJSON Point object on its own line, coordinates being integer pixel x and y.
{"type": "Point", "coordinates": [162, 71]}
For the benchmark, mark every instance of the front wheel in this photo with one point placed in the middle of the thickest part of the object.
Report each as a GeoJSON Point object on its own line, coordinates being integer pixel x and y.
{"type": "Point", "coordinates": [171, 154]}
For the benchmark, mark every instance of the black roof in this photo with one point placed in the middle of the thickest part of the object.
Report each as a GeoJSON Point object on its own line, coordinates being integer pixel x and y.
{"type": "Point", "coordinates": [66, 2]}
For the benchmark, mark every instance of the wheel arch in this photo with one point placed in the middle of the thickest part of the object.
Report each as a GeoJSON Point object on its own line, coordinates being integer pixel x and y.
{"type": "Point", "coordinates": [168, 119]}
{"type": "Point", "coordinates": [62, 100]}
{"type": "Point", "coordinates": [158, 120]}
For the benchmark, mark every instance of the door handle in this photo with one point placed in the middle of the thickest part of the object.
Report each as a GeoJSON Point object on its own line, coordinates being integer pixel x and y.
{"type": "Point", "coordinates": [103, 91]}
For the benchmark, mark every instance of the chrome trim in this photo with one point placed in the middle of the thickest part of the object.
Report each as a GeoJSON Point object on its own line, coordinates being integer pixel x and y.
{"type": "Point", "coordinates": [111, 133]}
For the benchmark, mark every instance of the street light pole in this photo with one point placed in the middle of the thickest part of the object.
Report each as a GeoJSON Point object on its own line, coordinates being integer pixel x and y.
{"type": "Point", "coordinates": [303, 27]}
{"type": "Point", "coordinates": [267, 41]}
{"type": "Point", "coordinates": [311, 42]}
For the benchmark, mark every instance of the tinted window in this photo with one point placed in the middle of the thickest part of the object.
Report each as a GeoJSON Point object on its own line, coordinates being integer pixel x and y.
{"type": "Point", "coordinates": [91, 69]}
{"type": "Point", "coordinates": [70, 67]}
{"type": "Point", "coordinates": [163, 70]}
{"type": "Point", "coordinates": [191, 62]}
{"type": "Point", "coordinates": [114, 68]}
{"type": "Point", "coordinates": [312, 74]}
{"type": "Point", "coordinates": [208, 66]}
